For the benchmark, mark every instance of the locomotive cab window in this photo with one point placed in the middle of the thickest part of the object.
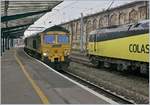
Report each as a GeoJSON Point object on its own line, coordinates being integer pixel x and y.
{"type": "Point", "coordinates": [63, 39]}
{"type": "Point", "coordinates": [49, 39]}
{"type": "Point", "coordinates": [145, 25]}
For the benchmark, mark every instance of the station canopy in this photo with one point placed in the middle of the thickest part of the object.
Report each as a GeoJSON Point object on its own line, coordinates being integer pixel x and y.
{"type": "Point", "coordinates": [18, 15]}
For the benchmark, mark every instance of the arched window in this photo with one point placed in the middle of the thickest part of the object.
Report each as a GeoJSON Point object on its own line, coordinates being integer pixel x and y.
{"type": "Point", "coordinates": [105, 21]}
{"type": "Point", "coordinates": [133, 16]}
{"type": "Point", "coordinates": [94, 24]}
{"type": "Point", "coordinates": [76, 30]}
{"type": "Point", "coordinates": [122, 18]}
{"type": "Point", "coordinates": [113, 19]}
{"type": "Point", "coordinates": [89, 28]}
{"type": "Point", "coordinates": [143, 12]}
{"type": "Point", "coordinates": [100, 23]}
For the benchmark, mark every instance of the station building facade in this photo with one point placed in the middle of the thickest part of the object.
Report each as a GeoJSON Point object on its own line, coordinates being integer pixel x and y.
{"type": "Point", "coordinates": [124, 14]}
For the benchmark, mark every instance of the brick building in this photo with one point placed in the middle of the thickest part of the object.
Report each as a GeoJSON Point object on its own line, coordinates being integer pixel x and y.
{"type": "Point", "coordinates": [124, 14]}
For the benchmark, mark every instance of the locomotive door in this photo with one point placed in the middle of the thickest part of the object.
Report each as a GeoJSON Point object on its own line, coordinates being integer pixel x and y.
{"type": "Point", "coordinates": [95, 43]}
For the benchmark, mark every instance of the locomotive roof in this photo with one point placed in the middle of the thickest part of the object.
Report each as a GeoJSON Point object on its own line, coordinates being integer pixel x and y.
{"type": "Point", "coordinates": [136, 26]}
{"type": "Point", "coordinates": [53, 28]}
{"type": "Point", "coordinates": [56, 28]}
{"type": "Point", "coordinates": [120, 32]}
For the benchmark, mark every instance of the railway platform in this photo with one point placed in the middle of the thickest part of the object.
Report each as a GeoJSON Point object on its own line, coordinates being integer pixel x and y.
{"type": "Point", "coordinates": [28, 81]}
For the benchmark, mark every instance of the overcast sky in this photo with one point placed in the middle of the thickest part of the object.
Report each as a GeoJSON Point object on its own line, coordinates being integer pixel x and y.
{"type": "Point", "coordinates": [72, 9]}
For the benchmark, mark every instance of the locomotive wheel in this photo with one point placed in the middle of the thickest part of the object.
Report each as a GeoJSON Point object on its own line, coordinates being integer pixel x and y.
{"type": "Point", "coordinates": [42, 58]}
{"type": "Point", "coordinates": [94, 61]}
{"type": "Point", "coordinates": [143, 69]}
{"type": "Point", "coordinates": [101, 64]}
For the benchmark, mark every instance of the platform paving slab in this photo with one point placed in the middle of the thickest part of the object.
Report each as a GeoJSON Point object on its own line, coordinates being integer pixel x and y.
{"type": "Point", "coordinates": [17, 89]}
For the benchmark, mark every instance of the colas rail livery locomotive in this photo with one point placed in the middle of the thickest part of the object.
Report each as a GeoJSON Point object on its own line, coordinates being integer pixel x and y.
{"type": "Point", "coordinates": [123, 48]}
{"type": "Point", "coordinates": [51, 46]}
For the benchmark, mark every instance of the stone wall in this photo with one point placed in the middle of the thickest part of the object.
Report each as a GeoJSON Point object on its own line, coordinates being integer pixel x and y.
{"type": "Point", "coordinates": [128, 13]}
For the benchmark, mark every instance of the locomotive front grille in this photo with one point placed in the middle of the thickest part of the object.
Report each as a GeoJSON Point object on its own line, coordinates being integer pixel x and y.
{"type": "Point", "coordinates": [56, 46]}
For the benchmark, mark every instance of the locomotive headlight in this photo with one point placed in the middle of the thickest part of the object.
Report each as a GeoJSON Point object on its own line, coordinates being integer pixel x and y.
{"type": "Point", "coordinates": [67, 52]}
{"type": "Point", "coordinates": [44, 54]}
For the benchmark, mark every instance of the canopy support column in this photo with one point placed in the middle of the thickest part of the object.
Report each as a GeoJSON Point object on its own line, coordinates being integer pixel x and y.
{"type": "Point", "coordinates": [12, 42]}
{"type": "Point", "coordinates": [8, 42]}
{"type": "Point", "coordinates": [3, 43]}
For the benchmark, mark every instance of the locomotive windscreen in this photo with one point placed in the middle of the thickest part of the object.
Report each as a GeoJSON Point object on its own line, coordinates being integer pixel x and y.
{"type": "Point", "coordinates": [63, 39]}
{"type": "Point", "coordinates": [49, 39]}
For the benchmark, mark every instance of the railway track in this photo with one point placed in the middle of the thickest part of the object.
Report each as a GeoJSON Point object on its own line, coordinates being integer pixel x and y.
{"type": "Point", "coordinates": [85, 61]}
{"type": "Point", "coordinates": [112, 95]}
{"type": "Point", "coordinates": [81, 60]}
{"type": "Point", "coordinates": [101, 90]}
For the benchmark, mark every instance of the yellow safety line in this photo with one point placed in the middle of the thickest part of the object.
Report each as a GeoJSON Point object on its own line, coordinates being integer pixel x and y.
{"type": "Point", "coordinates": [42, 96]}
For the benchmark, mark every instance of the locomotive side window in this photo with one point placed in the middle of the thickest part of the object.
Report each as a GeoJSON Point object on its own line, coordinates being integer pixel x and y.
{"type": "Point", "coordinates": [34, 44]}
{"type": "Point", "coordinates": [63, 39]}
{"type": "Point", "coordinates": [49, 39]}
{"type": "Point", "coordinates": [25, 42]}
